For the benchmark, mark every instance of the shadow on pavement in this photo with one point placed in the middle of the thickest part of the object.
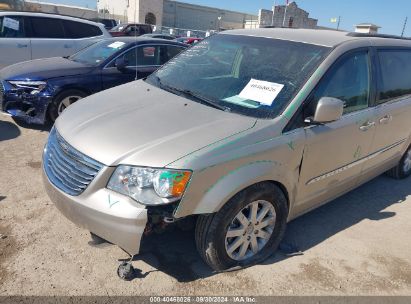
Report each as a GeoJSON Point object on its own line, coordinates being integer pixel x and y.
{"type": "Point", "coordinates": [8, 130]}
{"type": "Point", "coordinates": [46, 127]}
{"type": "Point", "coordinates": [174, 252]}
{"type": "Point", "coordinates": [367, 202]}
{"type": "Point", "coordinates": [2, 198]}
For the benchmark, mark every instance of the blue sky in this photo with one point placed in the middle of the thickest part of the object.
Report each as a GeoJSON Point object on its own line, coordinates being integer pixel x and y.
{"type": "Point", "coordinates": [390, 15]}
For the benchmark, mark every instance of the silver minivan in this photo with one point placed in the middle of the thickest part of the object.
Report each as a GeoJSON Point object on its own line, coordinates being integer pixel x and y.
{"type": "Point", "coordinates": [27, 35]}
{"type": "Point", "coordinates": [242, 133]}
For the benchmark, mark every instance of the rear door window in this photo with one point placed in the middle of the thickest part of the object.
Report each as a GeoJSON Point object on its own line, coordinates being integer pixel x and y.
{"type": "Point", "coordinates": [47, 28]}
{"type": "Point", "coordinates": [12, 27]}
{"type": "Point", "coordinates": [395, 79]}
{"type": "Point", "coordinates": [143, 56]}
{"type": "Point", "coordinates": [78, 30]}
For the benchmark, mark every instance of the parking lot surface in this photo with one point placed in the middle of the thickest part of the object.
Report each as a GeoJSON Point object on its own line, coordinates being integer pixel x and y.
{"type": "Point", "coordinates": [359, 244]}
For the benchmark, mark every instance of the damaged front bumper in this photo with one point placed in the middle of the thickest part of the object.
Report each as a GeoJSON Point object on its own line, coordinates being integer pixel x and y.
{"type": "Point", "coordinates": [27, 107]}
{"type": "Point", "coordinates": [109, 215]}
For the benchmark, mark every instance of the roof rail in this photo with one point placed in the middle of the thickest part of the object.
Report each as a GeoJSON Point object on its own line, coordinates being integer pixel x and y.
{"type": "Point", "coordinates": [45, 13]}
{"type": "Point", "coordinates": [352, 34]}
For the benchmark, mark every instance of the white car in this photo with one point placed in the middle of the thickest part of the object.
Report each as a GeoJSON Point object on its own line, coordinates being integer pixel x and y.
{"type": "Point", "coordinates": [27, 35]}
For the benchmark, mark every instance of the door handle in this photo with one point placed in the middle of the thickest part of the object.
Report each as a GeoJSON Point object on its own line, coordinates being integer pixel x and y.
{"type": "Point", "coordinates": [21, 45]}
{"type": "Point", "coordinates": [68, 46]}
{"type": "Point", "coordinates": [386, 119]}
{"type": "Point", "coordinates": [367, 125]}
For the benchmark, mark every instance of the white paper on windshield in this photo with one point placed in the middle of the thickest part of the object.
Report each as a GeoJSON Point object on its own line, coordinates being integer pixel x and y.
{"type": "Point", "coordinates": [263, 92]}
{"type": "Point", "coordinates": [116, 45]}
{"type": "Point", "coordinates": [11, 23]}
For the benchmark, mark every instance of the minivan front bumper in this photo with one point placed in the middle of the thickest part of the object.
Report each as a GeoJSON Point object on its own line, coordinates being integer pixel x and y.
{"type": "Point", "coordinates": [109, 215]}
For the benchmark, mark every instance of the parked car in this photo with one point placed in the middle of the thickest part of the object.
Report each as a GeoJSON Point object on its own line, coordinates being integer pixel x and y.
{"type": "Point", "coordinates": [242, 144]}
{"type": "Point", "coordinates": [189, 40]}
{"type": "Point", "coordinates": [108, 23]}
{"type": "Point", "coordinates": [25, 36]}
{"type": "Point", "coordinates": [131, 29]}
{"type": "Point", "coordinates": [41, 89]}
{"type": "Point", "coordinates": [160, 36]}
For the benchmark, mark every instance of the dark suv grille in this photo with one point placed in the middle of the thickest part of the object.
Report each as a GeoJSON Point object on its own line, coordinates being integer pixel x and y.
{"type": "Point", "coordinates": [68, 169]}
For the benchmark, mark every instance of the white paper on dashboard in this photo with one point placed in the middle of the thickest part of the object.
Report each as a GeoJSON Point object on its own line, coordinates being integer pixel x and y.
{"type": "Point", "coordinates": [263, 92]}
{"type": "Point", "coordinates": [11, 23]}
{"type": "Point", "coordinates": [116, 45]}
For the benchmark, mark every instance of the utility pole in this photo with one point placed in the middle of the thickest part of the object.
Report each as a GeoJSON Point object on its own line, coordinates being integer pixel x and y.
{"type": "Point", "coordinates": [338, 24]}
{"type": "Point", "coordinates": [403, 28]}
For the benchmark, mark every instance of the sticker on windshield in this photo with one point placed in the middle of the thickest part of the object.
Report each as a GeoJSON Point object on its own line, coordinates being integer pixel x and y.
{"type": "Point", "coordinates": [11, 23]}
{"type": "Point", "coordinates": [116, 45]}
{"type": "Point", "coordinates": [263, 92]}
{"type": "Point", "coordinates": [243, 102]}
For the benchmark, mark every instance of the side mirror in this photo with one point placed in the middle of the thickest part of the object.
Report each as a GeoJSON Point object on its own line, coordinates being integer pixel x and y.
{"type": "Point", "coordinates": [121, 64]}
{"type": "Point", "coordinates": [328, 109]}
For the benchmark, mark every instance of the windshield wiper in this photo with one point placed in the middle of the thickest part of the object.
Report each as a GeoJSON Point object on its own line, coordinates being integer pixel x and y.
{"type": "Point", "coordinates": [206, 100]}
{"type": "Point", "coordinates": [191, 94]}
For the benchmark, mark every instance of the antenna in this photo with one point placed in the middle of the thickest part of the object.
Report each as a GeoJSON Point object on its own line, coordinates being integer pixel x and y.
{"type": "Point", "coordinates": [403, 28]}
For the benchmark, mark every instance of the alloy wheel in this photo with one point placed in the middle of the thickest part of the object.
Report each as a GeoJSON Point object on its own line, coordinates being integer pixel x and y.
{"type": "Point", "coordinates": [66, 102]}
{"type": "Point", "coordinates": [250, 230]}
{"type": "Point", "coordinates": [407, 162]}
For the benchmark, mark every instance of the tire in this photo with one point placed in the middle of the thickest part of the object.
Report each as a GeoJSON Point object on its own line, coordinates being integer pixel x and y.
{"type": "Point", "coordinates": [213, 242]}
{"type": "Point", "coordinates": [59, 103]}
{"type": "Point", "coordinates": [403, 169]}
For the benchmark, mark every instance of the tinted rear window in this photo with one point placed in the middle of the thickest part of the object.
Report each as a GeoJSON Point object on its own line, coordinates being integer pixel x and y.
{"type": "Point", "coordinates": [75, 29]}
{"type": "Point", "coordinates": [46, 27]}
{"type": "Point", "coordinates": [395, 74]}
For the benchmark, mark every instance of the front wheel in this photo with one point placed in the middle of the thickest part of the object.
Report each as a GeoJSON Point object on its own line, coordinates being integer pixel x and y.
{"type": "Point", "coordinates": [62, 101]}
{"type": "Point", "coordinates": [403, 169]}
{"type": "Point", "coordinates": [246, 231]}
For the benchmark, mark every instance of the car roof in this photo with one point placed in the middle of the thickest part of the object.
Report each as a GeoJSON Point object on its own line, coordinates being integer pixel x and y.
{"type": "Point", "coordinates": [327, 38]}
{"type": "Point", "coordinates": [15, 13]}
{"type": "Point", "coordinates": [144, 40]}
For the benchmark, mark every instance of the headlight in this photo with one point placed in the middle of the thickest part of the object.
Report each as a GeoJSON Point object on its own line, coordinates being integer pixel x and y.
{"type": "Point", "coordinates": [31, 87]}
{"type": "Point", "coordinates": [150, 186]}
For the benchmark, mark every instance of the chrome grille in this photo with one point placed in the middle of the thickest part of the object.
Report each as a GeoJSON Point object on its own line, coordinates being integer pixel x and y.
{"type": "Point", "coordinates": [68, 169]}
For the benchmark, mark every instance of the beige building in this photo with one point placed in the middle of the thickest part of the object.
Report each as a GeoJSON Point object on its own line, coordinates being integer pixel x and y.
{"type": "Point", "coordinates": [286, 15]}
{"type": "Point", "coordinates": [173, 14]}
{"type": "Point", "coordinates": [367, 28]}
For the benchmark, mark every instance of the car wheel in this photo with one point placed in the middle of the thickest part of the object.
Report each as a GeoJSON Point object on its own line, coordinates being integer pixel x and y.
{"type": "Point", "coordinates": [246, 231]}
{"type": "Point", "coordinates": [62, 101]}
{"type": "Point", "coordinates": [403, 169]}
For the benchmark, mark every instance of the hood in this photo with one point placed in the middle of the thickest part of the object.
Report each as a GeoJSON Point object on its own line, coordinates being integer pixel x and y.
{"type": "Point", "coordinates": [140, 124]}
{"type": "Point", "coordinates": [43, 69]}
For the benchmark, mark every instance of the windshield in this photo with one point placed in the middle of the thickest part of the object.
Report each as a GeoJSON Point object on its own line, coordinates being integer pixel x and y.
{"type": "Point", "coordinates": [251, 76]}
{"type": "Point", "coordinates": [98, 52]}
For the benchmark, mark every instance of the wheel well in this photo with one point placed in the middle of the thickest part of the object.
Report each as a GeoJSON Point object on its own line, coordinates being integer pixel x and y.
{"type": "Point", "coordinates": [282, 188]}
{"type": "Point", "coordinates": [65, 89]}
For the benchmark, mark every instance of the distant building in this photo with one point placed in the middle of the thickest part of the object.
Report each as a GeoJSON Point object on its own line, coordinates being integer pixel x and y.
{"type": "Point", "coordinates": [367, 28]}
{"type": "Point", "coordinates": [286, 15]}
{"type": "Point", "coordinates": [60, 9]}
{"type": "Point", "coordinates": [173, 14]}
